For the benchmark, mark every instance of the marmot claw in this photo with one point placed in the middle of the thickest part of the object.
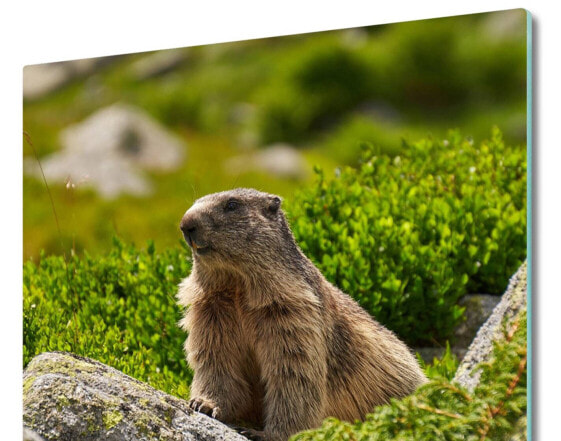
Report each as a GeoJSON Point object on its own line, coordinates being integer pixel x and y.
{"type": "Point", "coordinates": [204, 406]}
{"type": "Point", "coordinates": [252, 434]}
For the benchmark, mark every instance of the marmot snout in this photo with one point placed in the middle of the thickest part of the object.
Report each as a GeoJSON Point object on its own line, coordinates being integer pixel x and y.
{"type": "Point", "coordinates": [193, 232]}
{"type": "Point", "coordinates": [271, 342]}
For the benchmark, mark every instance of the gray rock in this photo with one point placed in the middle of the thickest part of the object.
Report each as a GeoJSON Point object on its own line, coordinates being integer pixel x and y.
{"type": "Point", "coordinates": [41, 79]}
{"type": "Point", "coordinates": [31, 435]}
{"type": "Point", "coordinates": [380, 111]}
{"type": "Point", "coordinates": [428, 354]}
{"type": "Point", "coordinates": [242, 113]}
{"type": "Point", "coordinates": [72, 398]}
{"type": "Point", "coordinates": [280, 160]}
{"type": "Point", "coordinates": [478, 308]}
{"type": "Point", "coordinates": [353, 38]}
{"type": "Point", "coordinates": [505, 25]}
{"type": "Point", "coordinates": [110, 150]}
{"type": "Point", "coordinates": [158, 63]}
{"type": "Point", "coordinates": [512, 303]}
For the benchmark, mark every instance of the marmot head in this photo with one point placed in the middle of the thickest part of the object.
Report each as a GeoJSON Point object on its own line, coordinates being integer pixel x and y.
{"type": "Point", "coordinates": [236, 226]}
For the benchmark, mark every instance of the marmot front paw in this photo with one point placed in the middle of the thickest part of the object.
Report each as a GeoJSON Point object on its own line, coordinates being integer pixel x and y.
{"type": "Point", "coordinates": [252, 434]}
{"type": "Point", "coordinates": [205, 406]}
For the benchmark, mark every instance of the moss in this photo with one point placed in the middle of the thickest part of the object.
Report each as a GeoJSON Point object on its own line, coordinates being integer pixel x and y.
{"type": "Point", "coordinates": [111, 418]}
{"type": "Point", "coordinates": [92, 425]}
{"type": "Point", "coordinates": [168, 415]}
{"type": "Point", "coordinates": [62, 401]}
{"type": "Point", "coordinates": [69, 366]}
{"type": "Point", "coordinates": [141, 424]}
{"type": "Point", "coordinates": [28, 382]}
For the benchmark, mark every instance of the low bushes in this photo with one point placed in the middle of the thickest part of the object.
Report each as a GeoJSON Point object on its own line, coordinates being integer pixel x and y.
{"type": "Point", "coordinates": [405, 236]}
{"type": "Point", "coordinates": [119, 309]}
{"type": "Point", "coordinates": [408, 236]}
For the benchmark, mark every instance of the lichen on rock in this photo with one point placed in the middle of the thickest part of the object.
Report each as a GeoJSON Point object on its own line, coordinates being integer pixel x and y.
{"type": "Point", "coordinates": [68, 397]}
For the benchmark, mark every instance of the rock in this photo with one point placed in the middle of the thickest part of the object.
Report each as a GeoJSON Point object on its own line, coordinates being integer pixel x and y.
{"type": "Point", "coordinates": [380, 112]}
{"type": "Point", "coordinates": [428, 354]}
{"type": "Point", "coordinates": [128, 132]}
{"type": "Point", "coordinates": [110, 149]}
{"type": "Point", "coordinates": [71, 398]}
{"type": "Point", "coordinates": [31, 435]}
{"type": "Point", "coordinates": [242, 113]}
{"type": "Point", "coordinates": [41, 79]}
{"type": "Point", "coordinates": [478, 308]}
{"type": "Point", "coordinates": [505, 25]}
{"type": "Point", "coordinates": [158, 63]}
{"type": "Point", "coordinates": [512, 303]}
{"type": "Point", "coordinates": [280, 160]}
{"type": "Point", "coordinates": [353, 38]}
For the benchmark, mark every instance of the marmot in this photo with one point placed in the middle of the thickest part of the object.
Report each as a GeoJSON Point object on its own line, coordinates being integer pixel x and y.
{"type": "Point", "coordinates": [272, 343]}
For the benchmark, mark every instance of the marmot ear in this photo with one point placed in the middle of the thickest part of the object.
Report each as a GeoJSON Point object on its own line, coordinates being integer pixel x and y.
{"type": "Point", "coordinates": [274, 204]}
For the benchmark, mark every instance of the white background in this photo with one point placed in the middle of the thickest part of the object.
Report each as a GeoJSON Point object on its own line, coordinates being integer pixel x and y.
{"type": "Point", "coordinates": [57, 30]}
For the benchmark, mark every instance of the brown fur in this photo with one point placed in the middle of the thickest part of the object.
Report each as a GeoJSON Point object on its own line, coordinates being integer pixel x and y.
{"type": "Point", "coordinates": [271, 341]}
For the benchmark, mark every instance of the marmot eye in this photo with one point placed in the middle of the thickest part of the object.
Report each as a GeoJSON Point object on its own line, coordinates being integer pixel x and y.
{"type": "Point", "coordinates": [231, 205]}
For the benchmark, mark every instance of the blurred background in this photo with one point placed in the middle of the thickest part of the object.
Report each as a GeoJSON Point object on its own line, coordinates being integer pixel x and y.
{"type": "Point", "coordinates": [126, 143]}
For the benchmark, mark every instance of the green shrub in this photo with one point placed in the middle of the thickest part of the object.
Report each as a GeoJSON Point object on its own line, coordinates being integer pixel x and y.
{"type": "Point", "coordinates": [119, 309]}
{"type": "Point", "coordinates": [448, 64]}
{"type": "Point", "coordinates": [335, 79]}
{"type": "Point", "coordinates": [432, 56]}
{"type": "Point", "coordinates": [175, 106]}
{"type": "Point", "coordinates": [426, 70]}
{"type": "Point", "coordinates": [441, 368]}
{"type": "Point", "coordinates": [407, 236]}
{"type": "Point", "coordinates": [356, 131]}
{"type": "Point", "coordinates": [328, 81]}
{"type": "Point", "coordinates": [441, 410]}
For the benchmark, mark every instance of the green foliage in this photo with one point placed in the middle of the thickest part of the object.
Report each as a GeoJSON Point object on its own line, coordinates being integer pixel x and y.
{"type": "Point", "coordinates": [422, 69]}
{"type": "Point", "coordinates": [119, 309]}
{"type": "Point", "coordinates": [441, 410]}
{"type": "Point", "coordinates": [327, 91]}
{"type": "Point", "coordinates": [441, 368]}
{"type": "Point", "coordinates": [327, 82]}
{"type": "Point", "coordinates": [356, 132]}
{"type": "Point", "coordinates": [408, 236]}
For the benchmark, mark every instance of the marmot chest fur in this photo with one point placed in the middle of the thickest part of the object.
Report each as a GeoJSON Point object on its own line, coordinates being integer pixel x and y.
{"type": "Point", "coordinates": [272, 343]}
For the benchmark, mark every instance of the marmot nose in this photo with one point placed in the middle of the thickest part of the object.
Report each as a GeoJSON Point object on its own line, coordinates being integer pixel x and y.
{"type": "Point", "coordinates": [188, 225]}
